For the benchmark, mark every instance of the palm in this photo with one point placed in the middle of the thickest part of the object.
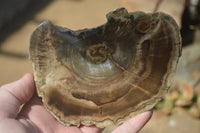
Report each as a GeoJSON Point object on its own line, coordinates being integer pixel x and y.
{"type": "Point", "coordinates": [37, 114]}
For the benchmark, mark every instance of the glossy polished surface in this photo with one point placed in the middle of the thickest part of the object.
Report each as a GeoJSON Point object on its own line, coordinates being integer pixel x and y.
{"type": "Point", "coordinates": [107, 74]}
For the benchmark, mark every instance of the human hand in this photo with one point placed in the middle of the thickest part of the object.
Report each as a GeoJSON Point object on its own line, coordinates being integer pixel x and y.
{"type": "Point", "coordinates": [34, 118]}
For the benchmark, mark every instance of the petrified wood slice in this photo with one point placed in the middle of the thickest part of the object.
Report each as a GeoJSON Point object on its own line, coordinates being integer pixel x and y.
{"type": "Point", "coordinates": [107, 74]}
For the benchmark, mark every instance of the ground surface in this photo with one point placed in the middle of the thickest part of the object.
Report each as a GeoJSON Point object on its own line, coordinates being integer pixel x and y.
{"type": "Point", "coordinates": [79, 14]}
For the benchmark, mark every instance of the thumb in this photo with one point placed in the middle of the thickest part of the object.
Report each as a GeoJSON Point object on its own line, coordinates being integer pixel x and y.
{"type": "Point", "coordinates": [14, 94]}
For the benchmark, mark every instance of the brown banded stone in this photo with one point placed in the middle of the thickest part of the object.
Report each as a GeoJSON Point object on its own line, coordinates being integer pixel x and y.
{"type": "Point", "coordinates": [105, 75]}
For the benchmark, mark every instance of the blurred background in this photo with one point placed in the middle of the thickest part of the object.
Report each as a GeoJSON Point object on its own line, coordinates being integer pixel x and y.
{"type": "Point", "coordinates": [178, 113]}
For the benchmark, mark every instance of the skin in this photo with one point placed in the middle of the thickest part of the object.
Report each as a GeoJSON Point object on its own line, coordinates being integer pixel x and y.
{"type": "Point", "coordinates": [34, 118]}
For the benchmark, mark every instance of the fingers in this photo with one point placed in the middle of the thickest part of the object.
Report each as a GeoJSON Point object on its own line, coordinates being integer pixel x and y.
{"type": "Point", "coordinates": [135, 124]}
{"type": "Point", "coordinates": [14, 94]}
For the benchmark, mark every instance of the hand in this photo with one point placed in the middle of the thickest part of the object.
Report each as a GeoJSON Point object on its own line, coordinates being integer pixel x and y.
{"type": "Point", "coordinates": [34, 118]}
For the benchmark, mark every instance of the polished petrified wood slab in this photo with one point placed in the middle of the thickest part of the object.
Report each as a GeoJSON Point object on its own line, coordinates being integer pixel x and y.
{"type": "Point", "coordinates": [107, 74]}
